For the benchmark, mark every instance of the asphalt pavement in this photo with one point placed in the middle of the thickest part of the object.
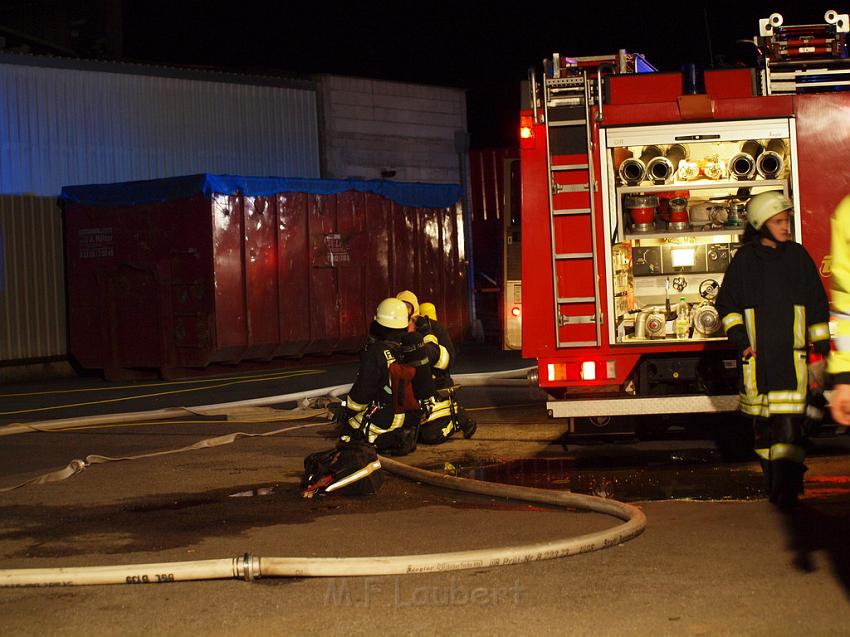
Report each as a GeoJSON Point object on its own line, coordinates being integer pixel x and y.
{"type": "Point", "coordinates": [730, 564]}
{"type": "Point", "coordinates": [77, 396]}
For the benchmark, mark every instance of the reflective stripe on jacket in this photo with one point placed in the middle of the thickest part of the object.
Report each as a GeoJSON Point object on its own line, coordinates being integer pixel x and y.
{"type": "Point", "coordinates": [372, 385]}
{"type": "Point", "coordinates": [772, 300]}
{"type": "Point", "coordinates": [441, 350]}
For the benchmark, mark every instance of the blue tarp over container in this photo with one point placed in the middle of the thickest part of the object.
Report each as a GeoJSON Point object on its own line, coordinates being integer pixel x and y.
{"type": "Point", "coordinates": [190, 271]}
{"type": "Point", "coordinates": [136, 193]}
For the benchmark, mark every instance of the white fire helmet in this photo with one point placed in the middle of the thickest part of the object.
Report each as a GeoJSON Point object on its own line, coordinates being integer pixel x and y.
{"type": "Point", "coordinates": [392, 313]}
{"type": "Point", "coordinates": [765, 205]}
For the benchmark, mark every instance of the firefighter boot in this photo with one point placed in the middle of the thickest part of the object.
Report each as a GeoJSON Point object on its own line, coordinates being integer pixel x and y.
{"type": "Point", "coordinates": [787, 483]}
{"type": "Point", "coordinates": [768, 474]}
{"type": "Point", "coordinates": [786, 459]}
{"type": "Point", "coordinates": [404, 438]}
{"type": "Point", "coordinates": [466, 424]}
{"type": "Point", "coordinates": [409, 434]}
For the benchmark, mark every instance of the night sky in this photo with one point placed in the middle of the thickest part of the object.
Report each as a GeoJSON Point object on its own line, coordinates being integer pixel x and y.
{"type": "Point", "coordinates": [480, 46]}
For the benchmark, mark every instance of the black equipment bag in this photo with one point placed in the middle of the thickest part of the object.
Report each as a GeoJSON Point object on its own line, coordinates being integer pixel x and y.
{"type": "Point", "coordinates": [350, 468]}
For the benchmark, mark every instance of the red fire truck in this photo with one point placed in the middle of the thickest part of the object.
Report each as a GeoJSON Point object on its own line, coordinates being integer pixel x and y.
{"type": "Point", "coordinates": [634, 191]}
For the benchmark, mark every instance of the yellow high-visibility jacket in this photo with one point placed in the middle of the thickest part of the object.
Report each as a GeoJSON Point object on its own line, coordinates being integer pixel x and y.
{"type": "Point", "coordinates": [839, 360]}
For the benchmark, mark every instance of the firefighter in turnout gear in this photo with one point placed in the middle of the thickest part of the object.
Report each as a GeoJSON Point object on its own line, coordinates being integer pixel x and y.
{"type": "Point", "coordinates": [839, 360]}
{"type": "Point", "coordinates": [443, 414]}
{"type": "Point", "coordinates": [380, 407]}
{"type": "Point", "coordinates": [773, 307]}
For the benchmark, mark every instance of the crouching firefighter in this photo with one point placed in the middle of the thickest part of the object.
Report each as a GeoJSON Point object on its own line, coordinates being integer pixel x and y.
{"type": "Point", "coordinates": [443, 415]}
{"type": "Point", "coordinates": [774, 307]}
{"type": "Point", "coordinates": [380, 407]}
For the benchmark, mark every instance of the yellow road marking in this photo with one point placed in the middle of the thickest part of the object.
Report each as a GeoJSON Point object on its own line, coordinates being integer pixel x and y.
{"type": "Point", "coordinates": [267, 375]}
{"type": "Point", "coordinates": [154, 395]}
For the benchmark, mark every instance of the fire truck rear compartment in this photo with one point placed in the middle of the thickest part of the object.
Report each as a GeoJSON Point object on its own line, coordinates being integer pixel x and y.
{"type": "Point", "coordinates": [711, 373]}
{"type": "Point", "coordinates": [684, 384]}
{"type": "Point", "coordinates": [626, 238]}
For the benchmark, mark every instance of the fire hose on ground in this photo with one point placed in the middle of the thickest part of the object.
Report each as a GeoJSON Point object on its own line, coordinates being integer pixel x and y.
{"type": "Point", "coordinates": [250, 567]}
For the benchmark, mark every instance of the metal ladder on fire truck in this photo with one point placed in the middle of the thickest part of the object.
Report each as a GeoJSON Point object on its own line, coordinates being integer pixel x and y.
{"type": "Point", "coordinates": [566, 103]}
{"type": "Point", "coordinates": [804, 58]}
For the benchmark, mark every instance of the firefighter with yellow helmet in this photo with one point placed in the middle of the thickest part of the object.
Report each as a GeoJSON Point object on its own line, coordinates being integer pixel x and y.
{"type": "Point", "coordinates": [839, 359]}
{"type": "Point", "coordinates": [372, 412]}
{"type": "Point", "coordinates": [773, 307]}
{"type": "Point", "coordinates": [443, 416]}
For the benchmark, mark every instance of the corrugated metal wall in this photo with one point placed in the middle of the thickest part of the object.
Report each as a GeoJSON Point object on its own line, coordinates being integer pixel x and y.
{"type": "Point", "coordinates": [66, 122]}
{"type": "Point", "coordinates": [32, 299]}
{"type": "Point", "coordinates": [61, 126]}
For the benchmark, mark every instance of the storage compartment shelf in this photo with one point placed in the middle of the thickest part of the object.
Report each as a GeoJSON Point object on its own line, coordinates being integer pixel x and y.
{"type": "Point", "coordinates": [672, 238]}
{"type": "Point", "coordinates": [702, 184]}
{"type": "Point", "coordinates": [667, 234]}
{"type": "Point", "coordinates": [672, 340]}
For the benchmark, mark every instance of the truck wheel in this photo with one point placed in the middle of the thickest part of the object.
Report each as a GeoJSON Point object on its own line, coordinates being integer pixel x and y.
{"type": "Point", "coordinates": [603, 426]}
{"type": "Point", "coordinates": [600, 422]}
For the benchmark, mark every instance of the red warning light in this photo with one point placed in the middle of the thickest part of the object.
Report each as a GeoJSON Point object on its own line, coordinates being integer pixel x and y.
{"type": "Point", "coordinates": [526, 131]}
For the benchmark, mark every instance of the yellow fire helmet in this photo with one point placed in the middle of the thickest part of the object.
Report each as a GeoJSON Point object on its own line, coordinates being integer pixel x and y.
{"type": "Point", "coordinates": [392, 313]}
{"type": "Point", "coordinates": [428, 309]}
{"type": "Point", "coordinates": [409, 297]}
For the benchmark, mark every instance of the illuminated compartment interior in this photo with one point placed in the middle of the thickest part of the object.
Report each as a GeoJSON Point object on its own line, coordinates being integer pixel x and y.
{"type": "Point", "coordinates": [677, 214]}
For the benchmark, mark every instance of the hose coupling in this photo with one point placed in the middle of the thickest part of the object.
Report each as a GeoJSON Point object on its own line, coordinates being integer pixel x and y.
{"type": "Point", "coordinates": [247, 567]}
{"type": "Point", "coordinates": [632, 171]}
{"type": "Point", "coordinates": [660, 170]}
{"type": "Point", "coordinates": [742, 166]}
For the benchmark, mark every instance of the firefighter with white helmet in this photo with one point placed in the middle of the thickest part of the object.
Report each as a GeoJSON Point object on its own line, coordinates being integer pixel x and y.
{"type": "Point", "coordinates": [765, 206]}
{"type": "Point", "coordinates": [839, 360]}
{"type": "Point", "coordinates": [444, 415]}
{"type": "Point", "coordinates": [391, 314]}
{"type": "Point", "coordinates": [774, 308]}
{"type": "Point", "coordinates": [371, 413]}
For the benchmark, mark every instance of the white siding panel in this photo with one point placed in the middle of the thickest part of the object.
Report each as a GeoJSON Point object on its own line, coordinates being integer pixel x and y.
{"type": "Point", "coordinates": [417, 104]}
{"type": "Point", "coordinates": [423, 91]}
{"type": "Point", "coordinates": [32, 290]}
{"type": "Point", "coordinates": [382, 127]}
{"type": "Point", "coordinates": [432, 118]}
{"type": "Point", "coordinates": [371, 95]}
{"type": "Point", "coordinates": [347, 84]}
{"type": "Point", "coordinates": [351, 98]}
{"type": "Point", "coordinates": [343, 112]}
{"type": "Point", "coordinates": [62, 126]}
{"type": "Point", "coordinates": [372, 126]}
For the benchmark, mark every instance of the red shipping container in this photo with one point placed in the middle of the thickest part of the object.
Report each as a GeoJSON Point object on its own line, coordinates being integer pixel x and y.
{"type": "Point", "coordinates": [190, 271]}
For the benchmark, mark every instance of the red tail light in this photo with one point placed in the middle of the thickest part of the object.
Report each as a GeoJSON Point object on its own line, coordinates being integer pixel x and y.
{"type": "Point", "coordinates": [526, 131]}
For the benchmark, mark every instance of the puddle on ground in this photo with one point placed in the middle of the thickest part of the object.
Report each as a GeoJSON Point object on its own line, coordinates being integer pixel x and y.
{"type": "Point", "coordinates": [693, 474]}
{"type": "Point", "coordinates": [253, 492]}
{"type": "Point", "coordinates": [681, 477]}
